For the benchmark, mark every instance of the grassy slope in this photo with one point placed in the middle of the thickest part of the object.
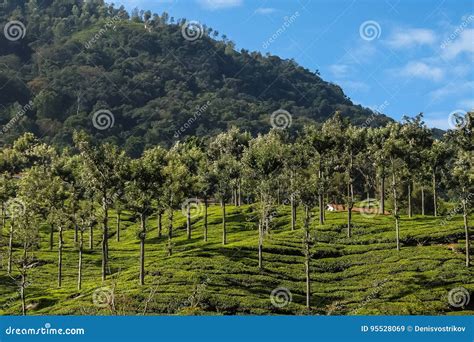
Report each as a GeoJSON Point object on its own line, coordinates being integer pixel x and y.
{"type": "Point", "coordinates": [361, 275]}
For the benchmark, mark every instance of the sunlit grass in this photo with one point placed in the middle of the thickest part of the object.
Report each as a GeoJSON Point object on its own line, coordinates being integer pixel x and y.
{"type": "Point", "coordinates": [363, 274]}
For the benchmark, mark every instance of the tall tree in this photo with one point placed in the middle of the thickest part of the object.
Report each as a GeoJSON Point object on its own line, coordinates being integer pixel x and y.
{"type": "Point", "coordinates": [394, 148]}
{"type": "Point", "coordinates": [103, 167]}
{"type": "Point", "coordinates": [139, 193]}
{"type": "Point", "coordinates": [173, 192]}
{"type": "Point", "coordinates": [264, 161]}
{"type": "Point", "coordinates": [463, 171]}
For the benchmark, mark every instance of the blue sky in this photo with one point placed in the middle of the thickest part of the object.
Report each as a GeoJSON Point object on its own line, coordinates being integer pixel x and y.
{"type": "Point", "coordinates": [398, 56]}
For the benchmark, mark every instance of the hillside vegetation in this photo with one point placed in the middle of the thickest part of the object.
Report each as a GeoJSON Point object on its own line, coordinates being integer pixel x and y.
{"type": "Point", "coordinates": [361, 275]}
{"type": "Point", "coordinates": [79, 57]}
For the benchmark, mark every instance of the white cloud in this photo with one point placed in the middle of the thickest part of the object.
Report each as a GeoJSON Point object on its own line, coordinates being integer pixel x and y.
{"type": "Point", "coordinates": [422, 70]}
{"type": "Point", "coordinates": [467, 104]}
{"type": "Point", "coordinates": [219, 4]}
{"type": "Point", "coordinates": [463, 43]}
{"type": "Point", "coordinates": [265, 10]}
{"type": "Point", "coordinates": [362, 53]}
{"type": "Point", "coordinates": [437, 120]}
{"type": "Point", "coordinates": [457, 88]}
{"type": "Point", "coordinates": [408, 38]}
{"type": "Point", "coordinates": [141, 3]}
{"type": "Point", "coordinates": [339, 70]}
{"type": "Point", "coordinates": [453, 89]}
{"type": "Point", "coordinates": [355, 86]}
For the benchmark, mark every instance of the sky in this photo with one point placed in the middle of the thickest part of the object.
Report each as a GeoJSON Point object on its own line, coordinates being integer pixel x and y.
{"type": "Point", "coordinates": [400, 57]}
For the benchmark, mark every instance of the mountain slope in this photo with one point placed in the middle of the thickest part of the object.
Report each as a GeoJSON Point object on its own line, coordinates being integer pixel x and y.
{"type": "Point", "coordinates": [159, 86]}
{"type": "Point", "coordinates": [364, 275]}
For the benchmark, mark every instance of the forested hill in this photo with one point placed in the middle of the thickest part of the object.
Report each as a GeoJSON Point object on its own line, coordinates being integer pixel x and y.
{"type": "Point", "coordinates": [73, 58]}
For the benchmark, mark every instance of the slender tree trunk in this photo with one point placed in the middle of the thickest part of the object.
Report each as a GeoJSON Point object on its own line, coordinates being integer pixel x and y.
{"type": "Point", "coordinates": [326, 200]}
{"type": "Point", "coordinates": [323, 191]}
{"type": "Point", "coordinates": [60, 256]}
{"type": "Point", "coordinates": [160, 224]}
{"type": "Point", "coordinates": [205, 218]}
{"type": "Point", "coordinates": [105, 237]}
{"type": "Point", "coordinates": [170, 231]}
{"type": "Point", "coordinates": [320, 200]}
{"type": "Point", "coordinates": [435, 195]}
{"type": "Point", "coordinates": [10, 248]}
{"type": "Point", "coordinates": [382, 195]}
{"type": "Point", "coordinates": [188, 221]}
{"type": "Point", "coordinates": [224, 230]}
{"type": "Point", "coordinates": [422, 200]}
{"type": "Point", "coordinates": [239, 203]}
{"type": "Point", "coordinates": [142, 248]}
{"type": "Point", "coordinates": [74, 218]}
{"type": "Point", "coordinates": [395, 208]}
{"type": "Point", "coordinates": [91, 236]}
{"type": "Point", "coordinates": [410, 213]}
{"type": "Point", "coordinates": [349, 210]}
{"type": "Point", "coordinates": [22, 290]}
{"type": "Point", "coordinates": [260, 244]}
{"type": "Point", "coordinates": [466, 231]}
{"type": "Point", "coordinates": [79, 265]}
{"type": "Point", "coordinates": [51, 237]}
{"type": "Point", "coordinates": [350, 198]}
{"type": "Point", "coordinates": [278, 193]}
{"type": "Point", "coordinates": [307, 260]}
{"type": "Point", "coordinates": [321, 209]}
{"type": "Point", "coordinates": [3, 226]}
{"type": "Point", "coordinates": [293, 211]}
{"type": "Point", "coordinates": [4, 218]}
{"type": "Point", "coordinates": [118, 225]}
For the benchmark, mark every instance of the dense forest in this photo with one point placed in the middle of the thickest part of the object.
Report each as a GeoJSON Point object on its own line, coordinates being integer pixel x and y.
{"type": "Point", "coordinates": [79, 57]}
{"type": "Point", "coordinates": [374, 170]}
{"type": "Point", "coordinates": [147, 167]}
